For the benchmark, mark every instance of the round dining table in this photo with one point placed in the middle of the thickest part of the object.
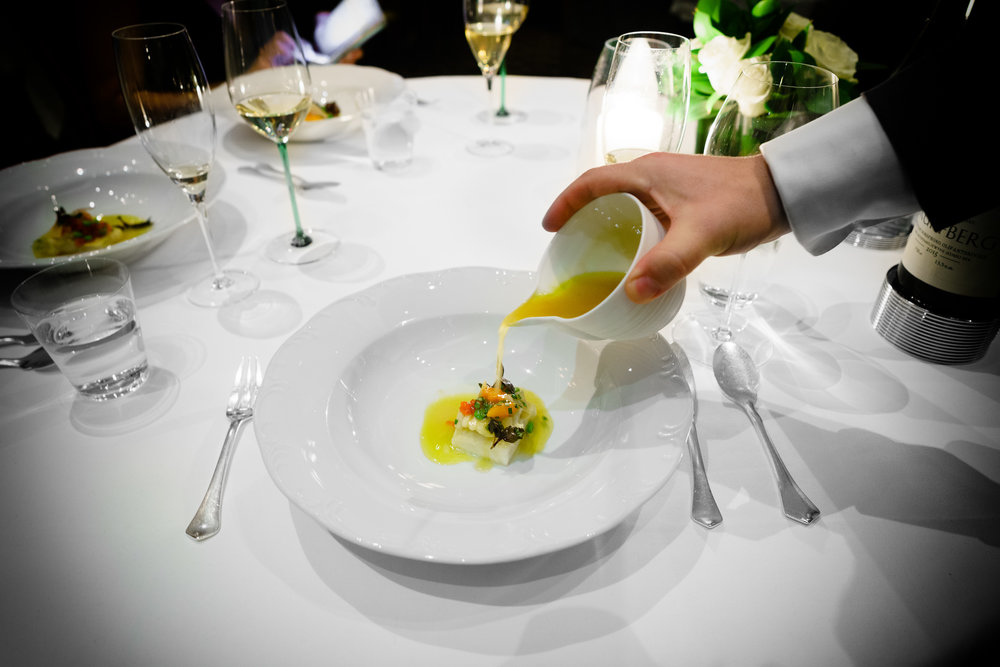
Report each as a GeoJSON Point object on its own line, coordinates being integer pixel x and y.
{"type": "Point", "coordinates": [901, 456]}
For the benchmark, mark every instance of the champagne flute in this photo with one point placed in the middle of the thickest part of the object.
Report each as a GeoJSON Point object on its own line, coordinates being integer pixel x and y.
{"type": "Point", "coordinates": [167, 96]}
{"type": "Point", "coordinates": [488, 29]}
{"type": "Point", "coordinates": [767, 100]}
{"type": "Point", "coordinates": [647, 97]}
{"type": "Point", "coordinates": [269, 84]}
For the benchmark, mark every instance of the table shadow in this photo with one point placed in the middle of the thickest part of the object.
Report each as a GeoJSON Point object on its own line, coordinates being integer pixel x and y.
{"type": "Point", "coordinates": [129, 413]}
{"type": "Point", "coordinates": [263, 314]}
{"type": "Point", "coordinates": [177, 263]}
{"type": "Point", "coordinates": [434, 602]}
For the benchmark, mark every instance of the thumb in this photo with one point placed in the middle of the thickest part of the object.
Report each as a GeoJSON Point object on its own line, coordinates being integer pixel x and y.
{"type": "Point", "coordinates": [666, 264]}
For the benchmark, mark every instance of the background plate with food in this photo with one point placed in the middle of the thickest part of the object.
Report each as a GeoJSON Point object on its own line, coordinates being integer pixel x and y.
{"type": "Point", "coordinates": [118, 181]}
{"type": "Point", "coordinates": [334, 112]}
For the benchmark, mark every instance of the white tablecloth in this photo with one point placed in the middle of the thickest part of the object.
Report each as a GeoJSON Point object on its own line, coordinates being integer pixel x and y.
{"type": "Point", "coordinates": [902, 457]}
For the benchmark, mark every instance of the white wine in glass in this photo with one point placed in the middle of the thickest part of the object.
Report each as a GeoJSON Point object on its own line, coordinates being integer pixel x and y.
{"type": "Point", "coordinates": [167, 96]}
{"type": "Point", "coordinates": [269, 84]}
{"type": "Point", "coordinates": [489, 27]}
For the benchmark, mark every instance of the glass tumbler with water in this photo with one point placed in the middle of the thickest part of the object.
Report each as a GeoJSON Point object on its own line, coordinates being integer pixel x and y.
{"type": "Point", "coordinates": [389, 127]}
{"type": "Point", "coordinates": [83, 313]}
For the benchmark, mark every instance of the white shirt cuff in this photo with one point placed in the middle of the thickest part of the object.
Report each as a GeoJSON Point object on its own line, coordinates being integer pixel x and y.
{"type": "Point", "coordinates": [836, 172]}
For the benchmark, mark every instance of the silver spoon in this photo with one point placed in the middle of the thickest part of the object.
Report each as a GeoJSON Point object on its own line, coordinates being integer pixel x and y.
{"type": "Point", "coordinates": [38, 358]}
{"type": "Point", "coordinates": [18, 339]}
{"type": "Point", "coordinates": [739, 378]}
{"type": "Point", "coordinates": [267, 171]}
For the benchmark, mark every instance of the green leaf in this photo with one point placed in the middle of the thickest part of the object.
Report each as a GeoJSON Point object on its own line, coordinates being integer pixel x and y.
{"type": "Point", "coordinates": [761, 47]}
{"type": "Point", "coordinates": [704, 28]}
{"type": "Point", "coordinates": [733, 20]}
{"type": "Point", "coordinates": [765, 7]}
{"type": "Point", "coordinates": [769, 25]}
{"type": "Point", "coordinates": [800, 39]}
{"type": "Point", "coordinates": [709, 7]}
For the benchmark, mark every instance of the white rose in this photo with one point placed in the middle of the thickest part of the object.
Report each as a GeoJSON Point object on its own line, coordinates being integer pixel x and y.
{"type": "Point", "coordinates": [793, 25]}
{"type": "Point", "coordinates": [753, 91]}
{"type": "Point", "coordinates": [832, 53]}
{"type": "Point", "coordinates": [720, 60]}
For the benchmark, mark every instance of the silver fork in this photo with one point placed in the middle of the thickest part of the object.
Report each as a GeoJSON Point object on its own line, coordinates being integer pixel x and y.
{"type": "Point", "coordinates": [208, 519]}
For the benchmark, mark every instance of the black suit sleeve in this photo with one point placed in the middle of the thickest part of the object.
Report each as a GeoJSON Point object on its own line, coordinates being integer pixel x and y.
{"type": "Point", "coordinates": [939, 115]}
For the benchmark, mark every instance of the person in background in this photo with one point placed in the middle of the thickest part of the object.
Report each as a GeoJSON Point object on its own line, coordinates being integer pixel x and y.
{"type": "Point", "coordinates": [65, 71]}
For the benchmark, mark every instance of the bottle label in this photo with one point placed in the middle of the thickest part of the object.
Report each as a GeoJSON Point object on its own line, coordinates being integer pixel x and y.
{"type": "Point", "coordinates": [963, 259]}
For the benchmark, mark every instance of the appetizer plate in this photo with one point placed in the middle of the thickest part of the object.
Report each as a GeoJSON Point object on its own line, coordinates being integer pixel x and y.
{"type": "Point", "coordinates": [339, 415]}
{"type": "Point", "coordinates": [340, 83]}
{"type": "Point", "coordinates": [120, 179]}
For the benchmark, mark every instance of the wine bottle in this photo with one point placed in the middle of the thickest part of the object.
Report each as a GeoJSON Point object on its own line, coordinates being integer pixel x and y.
{"type": "Point", "coordinates": [954, 272]}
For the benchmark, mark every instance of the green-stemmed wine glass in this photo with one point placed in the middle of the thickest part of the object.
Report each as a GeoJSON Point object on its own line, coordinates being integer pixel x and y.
{"type": "Point", "coordinates": [503, 115]}
{"type": "Point", "coordinates": [269, 84]}
{"type": "Point", "coordinates": [488, 29]}
{"type": "Point", "coordinates": [167, 96]}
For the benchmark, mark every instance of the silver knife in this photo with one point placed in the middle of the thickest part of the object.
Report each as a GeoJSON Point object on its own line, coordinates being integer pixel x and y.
{"type": "Point", "coordinates": [704, 509]}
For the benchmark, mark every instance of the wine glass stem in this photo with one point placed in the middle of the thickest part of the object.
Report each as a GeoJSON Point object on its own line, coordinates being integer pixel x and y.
{"type": "Point", "coordinates": [502, 111]}
{"type": "Point", "coordinates": [202, 214]}
{"type": "Point", "coordinates": [725, 332]}
{"type": "Point", "coordinates": [300, 239]}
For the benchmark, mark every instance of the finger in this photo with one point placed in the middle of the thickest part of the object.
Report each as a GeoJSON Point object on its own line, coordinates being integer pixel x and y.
{"type": "Point", "coordinates": [589, 186]}
{"type": "Point", "coordinates": [679, 253]}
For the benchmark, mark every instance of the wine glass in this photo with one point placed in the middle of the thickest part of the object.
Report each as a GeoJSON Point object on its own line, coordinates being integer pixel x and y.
{"type": "Point", "coordinates": [591, 151]}
{"type": "Point", "coordinates": [767, 100]}
{"type": "Point", "coordinates": [166, 93]}
{"type": "Point", "coordinates": [647, 97]}
{"type": "Point", "coordinates": [503, 115]}
{"type": "Point", "coordinates": [269, 84]}
{"type": "Point", "coordinates": [488, 29]}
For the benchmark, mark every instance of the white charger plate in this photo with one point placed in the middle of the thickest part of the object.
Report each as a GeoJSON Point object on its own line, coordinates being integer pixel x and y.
{"type": "Point", "coordinates": [120, 179]}
{"type": "Point", "coordinates": [339, 415]}
{"type": "Point", "coordinates": [340, 83]}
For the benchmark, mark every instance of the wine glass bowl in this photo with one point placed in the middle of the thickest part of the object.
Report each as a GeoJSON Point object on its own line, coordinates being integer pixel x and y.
{"type": "Point", "coordinates": [166, 93]}
{"type": "Point", "coordinates": [269, 85]}
{"type": "Point", "coordinates": [647, 96]}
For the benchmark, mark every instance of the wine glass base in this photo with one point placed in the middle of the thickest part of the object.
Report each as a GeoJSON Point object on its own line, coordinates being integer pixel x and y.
{"type": "Point", "coordinates": [229, 287]}
{"type": "Point", "coordinates": [490, 147]}
{"type": "Point", "coordinates": [283, 250]}
{"type": "Point", "coordinates": [495, 118]}
{"type": "Point", "coordinates": [699, 334]}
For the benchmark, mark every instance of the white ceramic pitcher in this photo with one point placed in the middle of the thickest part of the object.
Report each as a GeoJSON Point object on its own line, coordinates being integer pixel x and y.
{"type": "Point", "coordinates": [582, 245]}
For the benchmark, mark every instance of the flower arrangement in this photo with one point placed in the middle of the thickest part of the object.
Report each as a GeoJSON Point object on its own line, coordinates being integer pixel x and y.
{"type": "Point", "coordinates": [727, 35]}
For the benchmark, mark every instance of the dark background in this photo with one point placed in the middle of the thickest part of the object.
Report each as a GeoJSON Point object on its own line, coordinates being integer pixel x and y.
{"type": "Point", "coordinates": [57, 65]}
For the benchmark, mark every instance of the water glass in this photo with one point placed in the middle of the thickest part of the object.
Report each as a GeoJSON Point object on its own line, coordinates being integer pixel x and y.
{"type": "Point", "coordinates": [389, 127]}
{"type": "Point", "coordinates": [84, 315]}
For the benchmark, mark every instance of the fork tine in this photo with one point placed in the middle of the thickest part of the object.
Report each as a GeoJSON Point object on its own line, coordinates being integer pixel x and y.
{"type": "Point", "coordinates": [258, 379]}
{"type": "Point", "coordinates": [248, 380]}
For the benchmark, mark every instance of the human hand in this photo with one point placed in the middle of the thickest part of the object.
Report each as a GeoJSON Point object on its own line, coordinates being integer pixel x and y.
{"type": "Point", "coordinates": [351, 57]}
{"type": "Point", "coordinates": [279, 51]}
{"type": "Point", "coordinates": [709, 205]}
